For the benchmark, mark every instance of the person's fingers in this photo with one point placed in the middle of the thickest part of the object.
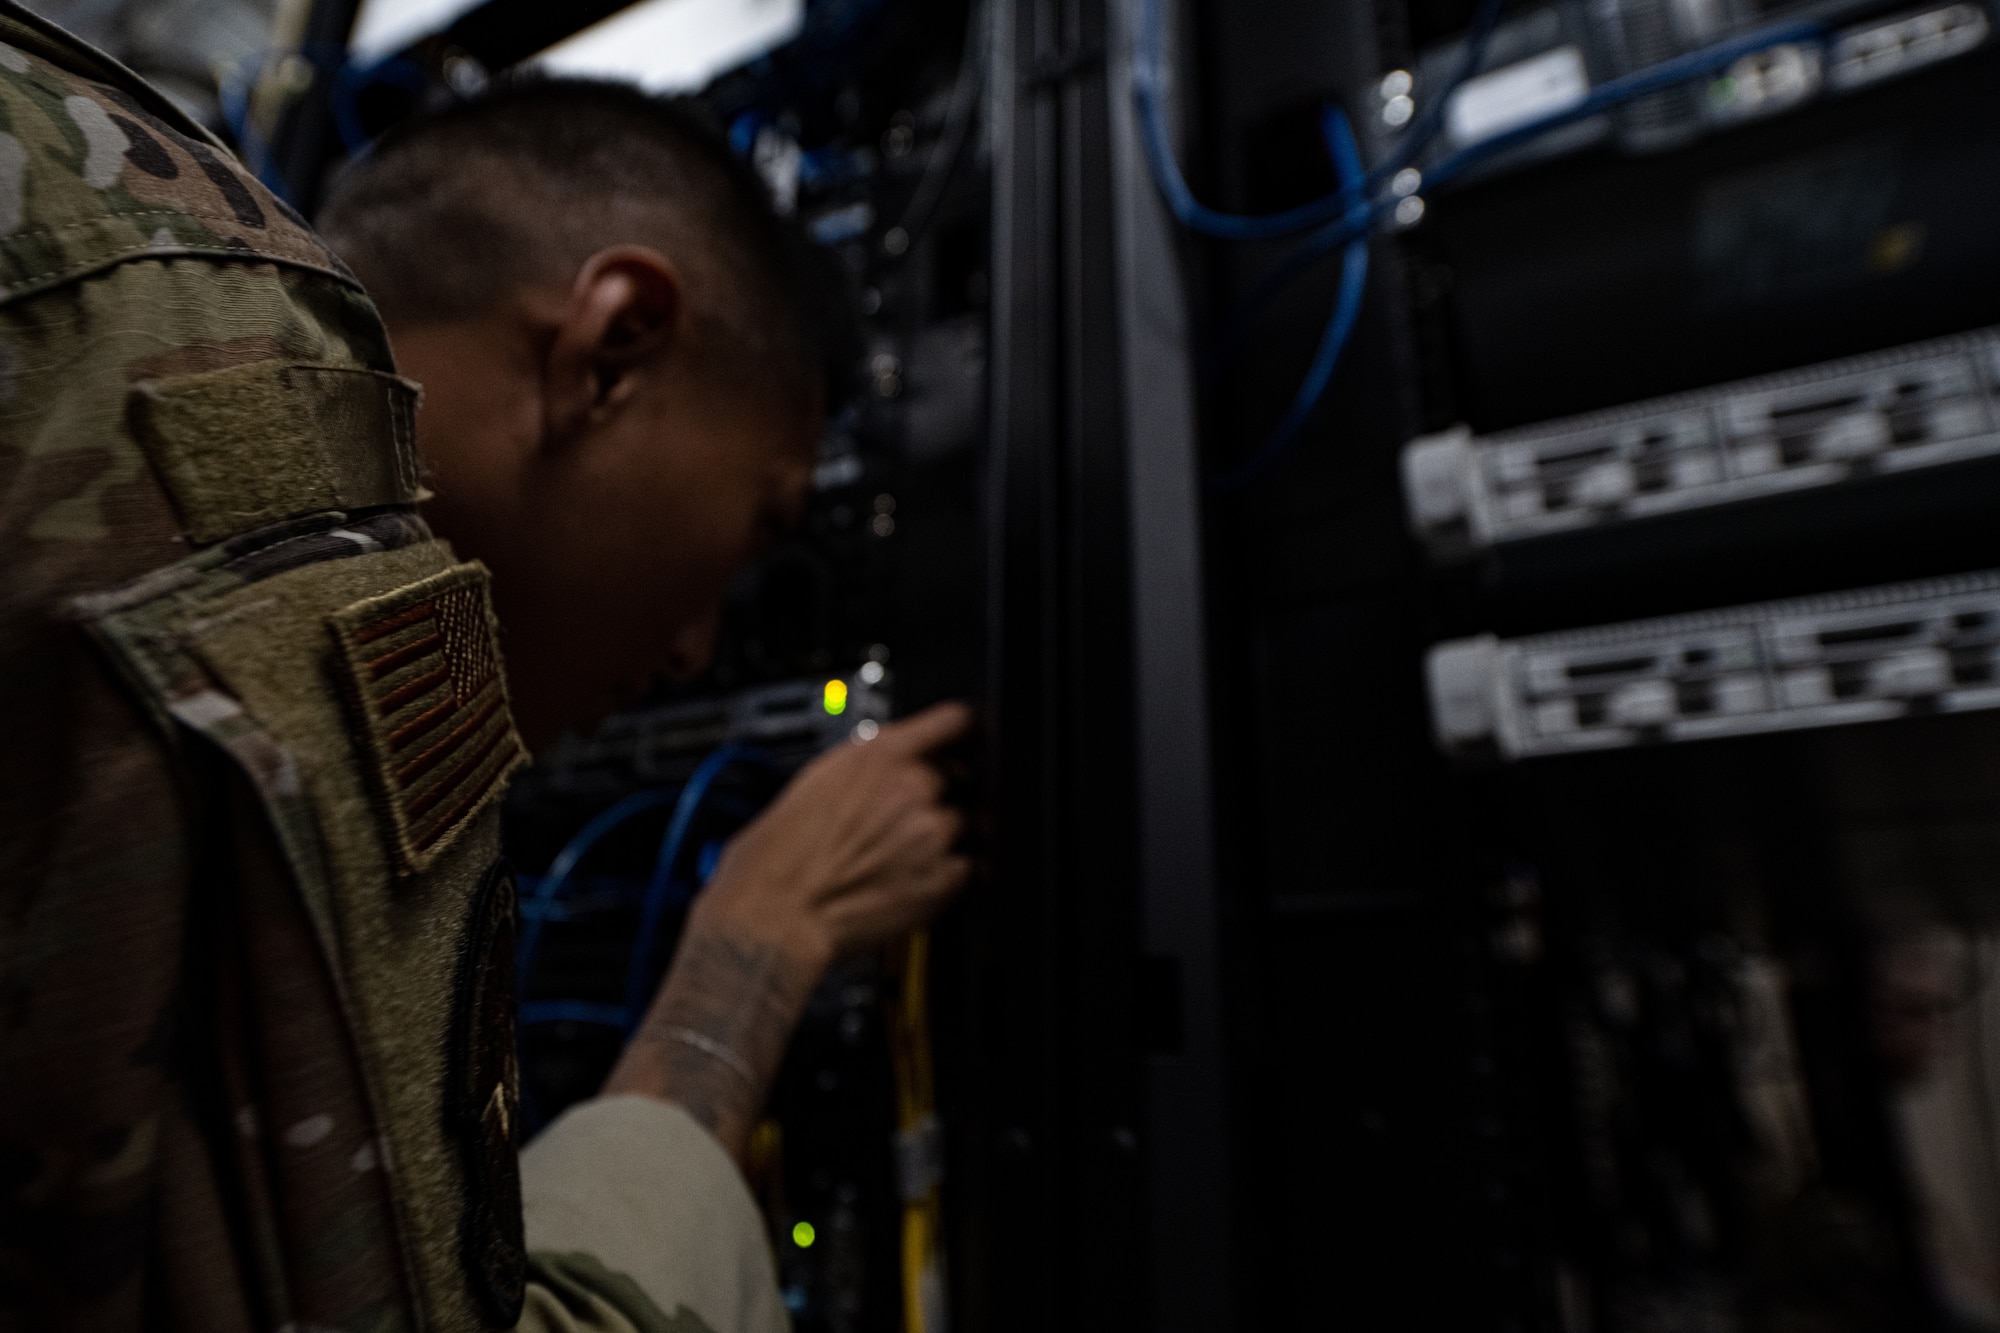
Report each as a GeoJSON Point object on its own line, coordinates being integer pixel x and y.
{"type": "Point", "coordinates": [860, 843]}
{"type": "Point", "coordinates": [923, 833]}
{"type": "Point", "coordinates": [926, 784]}
{"type": "Point", "coordinates": [942, 826]}
{"type": "Point", "coordinates": [920, 733]}
{"type": "Point", "coordinates": [909, 784]}
{"type": "Point", "coordinates": [938, 872]}
{"type": "Point", "coordinates": [868, 917]}
{"type": "Point", "coordinates": [949, 874]}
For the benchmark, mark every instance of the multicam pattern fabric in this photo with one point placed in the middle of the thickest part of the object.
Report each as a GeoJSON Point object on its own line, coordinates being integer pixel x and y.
{"type": "Point", "coordinates": [93, 174]}
{"type": "Point", "coordinates": [186, 1133]}
{"type": "Point", "coordinates": [424, 671]}
{"type": "Point", "coordinates": [229, 985]}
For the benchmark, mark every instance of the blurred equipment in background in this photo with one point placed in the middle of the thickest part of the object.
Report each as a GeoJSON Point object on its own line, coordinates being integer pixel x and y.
{"type": "Point", "coordinates": [1668, 416]}
{"type": "Point", "coordinates": [198, 52]}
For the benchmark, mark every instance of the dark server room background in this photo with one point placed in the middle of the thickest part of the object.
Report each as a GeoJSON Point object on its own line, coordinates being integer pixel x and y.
{"type": "Point", "coordinates": [1471, 525]}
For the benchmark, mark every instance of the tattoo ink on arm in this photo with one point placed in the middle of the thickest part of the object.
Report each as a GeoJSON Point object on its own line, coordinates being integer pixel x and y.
{"type": "Point", "coordinates": [715, 1035]}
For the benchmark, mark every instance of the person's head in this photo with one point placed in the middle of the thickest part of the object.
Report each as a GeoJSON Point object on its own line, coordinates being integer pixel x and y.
{"type": "Point", "coordinates": [626, 358]}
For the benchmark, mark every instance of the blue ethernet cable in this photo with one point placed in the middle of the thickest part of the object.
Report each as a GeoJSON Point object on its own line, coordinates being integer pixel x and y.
{"type": "Point", "coordinates": [1605, 97]}
{"type": "Point", "coordinates": [587, 1012]}
{"type": "Point", "coordinates": [1629, 87]}
{"type": "Point", "coordinates": [1337, 234]}
{"type": "Point", "coordinates": [1340, 323]}
{"type": "Point", "coordinates": [544, 904]}
{"type": "Point", "coordinates": [659, 896]}
{"type": "Point", "coordinates": [1148, 78]}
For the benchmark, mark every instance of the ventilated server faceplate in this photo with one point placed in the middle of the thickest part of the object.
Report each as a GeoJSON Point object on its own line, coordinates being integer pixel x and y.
{"type": "Point", "coordinates": [1914, 407]}
{"type": "Point", "coordinates": [1861, 656]}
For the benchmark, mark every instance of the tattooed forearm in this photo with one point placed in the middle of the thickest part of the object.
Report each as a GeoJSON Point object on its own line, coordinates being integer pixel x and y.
{"type": "Point", "coordinates": [856, 849]}
{"type": "Point", "coordinates": [717, 1030]}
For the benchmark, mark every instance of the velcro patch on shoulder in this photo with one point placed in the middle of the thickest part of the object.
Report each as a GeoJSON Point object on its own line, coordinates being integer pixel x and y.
{"type": "Point", "coordinates": [255, 443]}
{"type": "Point", "coordinates": [422, 666]}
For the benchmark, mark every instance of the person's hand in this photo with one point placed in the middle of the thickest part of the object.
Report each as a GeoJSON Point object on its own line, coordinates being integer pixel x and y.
{"type": "Point", "coordinates": [858, 848]}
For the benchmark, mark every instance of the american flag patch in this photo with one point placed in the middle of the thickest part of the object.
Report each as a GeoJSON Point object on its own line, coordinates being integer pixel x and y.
{"type": "Point", "coordinates": [423, 669]}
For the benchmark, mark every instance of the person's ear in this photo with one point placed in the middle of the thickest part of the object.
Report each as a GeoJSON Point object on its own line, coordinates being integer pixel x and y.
{"type": "Point", "coordinates": [624, 310]}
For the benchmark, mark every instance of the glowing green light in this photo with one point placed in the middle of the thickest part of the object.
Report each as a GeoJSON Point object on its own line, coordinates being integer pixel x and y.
{"type": "Point", "coordinates": [803, 1235]}
{"type": "Point", "coordinates": [835, 697]}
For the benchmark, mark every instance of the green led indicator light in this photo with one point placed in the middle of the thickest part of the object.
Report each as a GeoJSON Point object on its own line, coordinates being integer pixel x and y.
{"type": "Point", "coordinates": [835, 697]}
{"type": "Point", "coordinates": [803, 1235]}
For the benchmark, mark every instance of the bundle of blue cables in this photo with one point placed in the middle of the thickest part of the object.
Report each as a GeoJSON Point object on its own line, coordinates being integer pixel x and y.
{"type": "Point", "coordinates": [662, 893]}
{"type": "Point", "coordinates": [1344, 219]}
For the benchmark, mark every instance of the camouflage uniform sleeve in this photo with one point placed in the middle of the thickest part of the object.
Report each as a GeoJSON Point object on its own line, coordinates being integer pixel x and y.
{"type": "Point", "coordinates": [130, 253]}
{"type": "Point", "coordinates": [109, 1163]}
{"type": "Point", "coordinates": [636, 1187]}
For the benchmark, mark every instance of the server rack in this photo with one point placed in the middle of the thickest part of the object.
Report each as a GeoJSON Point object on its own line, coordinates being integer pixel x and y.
{"type": "Point", "coordinates": [1271, 1012]}
{"type": "Point", "coordinates": [1597, 1027]}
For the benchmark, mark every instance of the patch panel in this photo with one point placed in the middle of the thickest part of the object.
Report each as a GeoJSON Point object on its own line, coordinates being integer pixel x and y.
{"type": "Point", "coordinates": [1918, 406]}
{"type": "Point", "coordinates": [1869, 655]}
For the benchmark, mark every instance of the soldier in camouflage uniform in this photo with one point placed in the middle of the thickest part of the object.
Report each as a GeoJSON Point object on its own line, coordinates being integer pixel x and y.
{"type": "Point", "coordinates": [256, 943]}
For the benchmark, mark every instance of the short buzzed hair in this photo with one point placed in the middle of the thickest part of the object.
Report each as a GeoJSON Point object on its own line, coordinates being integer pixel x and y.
{"type": "Point", "coordinates": [456, 207]}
